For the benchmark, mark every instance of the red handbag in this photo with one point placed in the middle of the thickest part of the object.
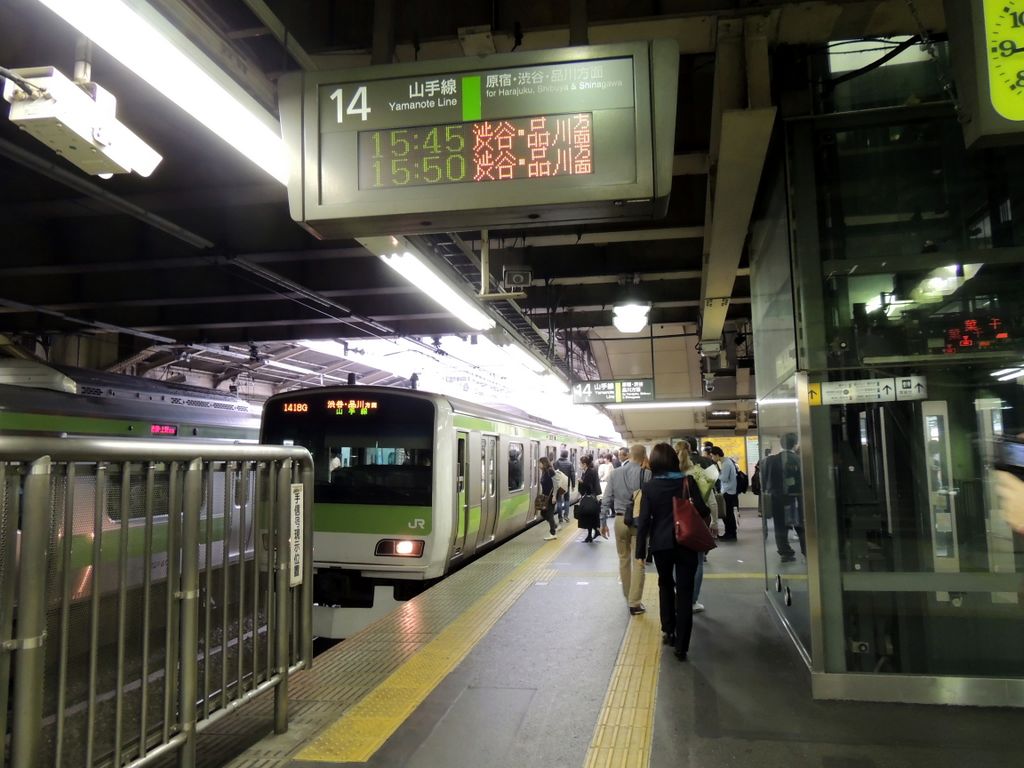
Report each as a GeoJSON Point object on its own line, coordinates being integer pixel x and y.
{"type": "Point", "coordinates": [691, 530]}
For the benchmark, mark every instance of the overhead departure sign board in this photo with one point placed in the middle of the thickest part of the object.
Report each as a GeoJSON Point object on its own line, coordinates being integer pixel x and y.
{"type": "Point", "coordinates": [612, 391]}
{"type": "Point", "coordinates": [559, 136]}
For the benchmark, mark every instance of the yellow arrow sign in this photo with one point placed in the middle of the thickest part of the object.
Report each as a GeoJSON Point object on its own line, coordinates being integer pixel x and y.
{"type": "Point", "coordinates": [814, 393]}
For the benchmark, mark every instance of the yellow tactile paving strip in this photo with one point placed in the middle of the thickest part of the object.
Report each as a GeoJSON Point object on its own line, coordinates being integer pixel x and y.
{"type": "Point", "coordinates": [370, 722]}
{"type": "Point", "coordinates": [625, 727]}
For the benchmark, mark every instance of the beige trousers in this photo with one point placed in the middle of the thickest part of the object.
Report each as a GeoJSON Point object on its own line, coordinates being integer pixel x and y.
{"type": "Point", "coordinates": [630, 570]}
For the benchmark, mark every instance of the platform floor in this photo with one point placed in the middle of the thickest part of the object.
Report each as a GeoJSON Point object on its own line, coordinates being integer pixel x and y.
{"type": "Point", "coordinates": [529, 657]}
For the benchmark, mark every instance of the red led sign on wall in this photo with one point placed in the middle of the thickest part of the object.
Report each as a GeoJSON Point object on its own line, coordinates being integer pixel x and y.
{"type": "Point", "coordinates": [163, 429]}
{"type": "Point", "coordinates": [974, 334]}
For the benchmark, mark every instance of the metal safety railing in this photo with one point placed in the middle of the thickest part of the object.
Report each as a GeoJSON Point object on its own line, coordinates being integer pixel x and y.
{"type": "Point", "coordinates": [146, 590]}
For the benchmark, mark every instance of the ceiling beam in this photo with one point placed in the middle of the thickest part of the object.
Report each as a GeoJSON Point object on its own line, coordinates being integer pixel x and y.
{"type": "Point", "coordinates": [654, 305]}
{"type": "Point", "coordinates": [745, 138]}
{"type": "Point", "coordinates": [742, 120]}
{"type": "Point", "coordinates": [598, 238]}
{"type": "Point", "coordinates": [221, 50]}
{"type": "Point", "coordinates": [177, 263]}
{"type": "Point", "coordinates": [817, 21]}
{"type": "Point", "coordinates": [236, 299]}
{"type": "Point", "coordinates": [643, 277]}
{"type": "Point", "coordinates": [263, 12]}
{"type": "Point", "coordinates": [198, 198]}
{"type": "Point", "coordinates": [62, 175]}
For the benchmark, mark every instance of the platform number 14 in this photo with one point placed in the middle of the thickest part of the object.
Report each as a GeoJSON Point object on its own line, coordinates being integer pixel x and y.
{"type": "Point", "coordinates": [357, 105]}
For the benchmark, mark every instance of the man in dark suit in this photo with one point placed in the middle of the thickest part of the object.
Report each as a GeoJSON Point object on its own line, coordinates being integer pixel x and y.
{"type": "Point", "coordinates": [782, 490]}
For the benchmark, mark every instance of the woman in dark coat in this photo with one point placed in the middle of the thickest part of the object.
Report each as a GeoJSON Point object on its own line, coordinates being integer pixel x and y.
{"type": "Point", "coordinates": [590, 485]}
{"type": "Point", "coordinates": [677, 565]}
{"type": "Point", "coordinates": [547, 489]}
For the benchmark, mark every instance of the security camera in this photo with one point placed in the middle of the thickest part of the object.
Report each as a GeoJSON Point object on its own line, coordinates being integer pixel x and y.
{"type": "Point", "coordinates": [709, 382]}
{"type": "Point", "coordinates": [77, 121]}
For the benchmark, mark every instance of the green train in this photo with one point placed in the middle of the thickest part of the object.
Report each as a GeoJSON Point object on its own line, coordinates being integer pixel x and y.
{"type": "Point", "coordinates": [55, 401]}
{"type": "Point", "coordinates": [58, 401]}
{"type": "Point", "coordinates": [408, 485]}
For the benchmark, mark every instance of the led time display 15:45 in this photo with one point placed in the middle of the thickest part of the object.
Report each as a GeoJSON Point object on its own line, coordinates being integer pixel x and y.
{"type": "Point", "coordinates": [486, 150]}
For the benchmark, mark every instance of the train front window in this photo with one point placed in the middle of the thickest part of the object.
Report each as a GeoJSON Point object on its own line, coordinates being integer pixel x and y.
{"type": "Point", "coordinates": [378, 474]}
{"type": "Point", "coordinates": [365, 451]}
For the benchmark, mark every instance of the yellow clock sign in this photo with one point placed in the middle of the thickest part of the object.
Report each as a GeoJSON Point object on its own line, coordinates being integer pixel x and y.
{"type": "Point", "coordinates": [1004, 51]}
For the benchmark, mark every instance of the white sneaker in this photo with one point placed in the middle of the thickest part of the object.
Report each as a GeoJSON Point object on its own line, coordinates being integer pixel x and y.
{"type": "Point", "coordinates": [698, 607]}
{"type": "Point", "coordinates": [550, 537]}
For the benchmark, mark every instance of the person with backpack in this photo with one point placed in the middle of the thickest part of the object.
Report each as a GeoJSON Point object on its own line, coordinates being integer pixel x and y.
{"type": "Point", "coordinates": [617, 503]}
{"type": "Point", "coordinates": [676, 564]}
{"type": "Point", "coordinates": [565, 486]}
{"type": "Point", "coordinates": [727, 478]}
{"type": "Point", "coordinates": [545, 497]}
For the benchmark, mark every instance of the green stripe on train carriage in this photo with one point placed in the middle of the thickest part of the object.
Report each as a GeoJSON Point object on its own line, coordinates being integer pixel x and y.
{"type": "Point", "coordinates": [366, 518]}
{"type": "Point", "coordinates": [110, 541]}
{"type": "Point", "coordinates": [515, 506]}
{"type": "Point", "coordinates": [474, 524]}
{"type": "Point", "coordinates": [56, 424]}
{"type": "Point", "coordinates": [462, 421]}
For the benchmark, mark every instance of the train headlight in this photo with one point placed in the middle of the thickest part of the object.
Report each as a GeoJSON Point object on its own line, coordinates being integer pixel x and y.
{"type": "Point", "coordinates": [399, 548]}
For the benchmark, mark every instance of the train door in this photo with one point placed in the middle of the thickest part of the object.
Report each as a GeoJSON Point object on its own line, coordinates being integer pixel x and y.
{"type": "Point", "coordinates": [461, 492]}
{"type": "Point", "coordinates": [534, 476]}
{"type": "Point", "coordinates": [488, 489]}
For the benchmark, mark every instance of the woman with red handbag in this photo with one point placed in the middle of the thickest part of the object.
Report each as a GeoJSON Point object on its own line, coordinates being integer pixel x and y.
{"type": "Point", "coordinates": [663, 507]}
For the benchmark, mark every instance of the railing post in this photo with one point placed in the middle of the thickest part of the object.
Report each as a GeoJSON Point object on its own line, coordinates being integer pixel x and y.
{"type": "Point", "coordinates": [188, 606]}
{"type": "Point", "coordinates": [30, 638]}
{"type": "Point", "coordinates": [306, 595]}
{"type": "Point", "coordinates": [282, 520]}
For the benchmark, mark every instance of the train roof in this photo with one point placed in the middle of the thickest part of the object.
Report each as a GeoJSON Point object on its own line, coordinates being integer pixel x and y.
{"type": "Point", "coordinates": [64, 389]}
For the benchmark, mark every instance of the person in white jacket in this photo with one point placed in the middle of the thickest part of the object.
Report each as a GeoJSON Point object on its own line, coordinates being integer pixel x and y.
{"type": "Point", "coordinates": [604, 471]}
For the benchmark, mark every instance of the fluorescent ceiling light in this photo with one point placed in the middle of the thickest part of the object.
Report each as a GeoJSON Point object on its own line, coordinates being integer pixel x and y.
{"type": "Point", "coordinates": [415, 270]}
{"type": "Point", "coordinates": [778, 401]}
{"type": "Point", "coordinates": [1004, 371]}
{"type": "Point", "coordinates": [289, 367]}
{"type": "Point", "coordinates": [657, 405]}
{"type": "Point", "coordinates": [1016, 374]}
{"type": "Point", "coordinates": [721, 413]}
{"type": "Point", "coordinates": [125, 29]}
{"type": "Point", "coordinates": [630, 318]}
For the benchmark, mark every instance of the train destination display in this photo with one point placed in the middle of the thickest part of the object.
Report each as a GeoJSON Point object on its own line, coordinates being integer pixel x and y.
{"type": "Point", "coordinates": [537, 137]}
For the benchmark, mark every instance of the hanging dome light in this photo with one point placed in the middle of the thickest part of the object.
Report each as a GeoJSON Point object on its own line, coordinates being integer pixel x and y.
{"type": "Point", "coordinates": [630, 318]}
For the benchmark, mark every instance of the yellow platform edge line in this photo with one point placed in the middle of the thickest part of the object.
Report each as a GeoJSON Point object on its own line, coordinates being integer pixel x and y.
{"type": "Point", "coordinates": [364, 728]}
{"type": "Point", "coordinates": [625, 726]}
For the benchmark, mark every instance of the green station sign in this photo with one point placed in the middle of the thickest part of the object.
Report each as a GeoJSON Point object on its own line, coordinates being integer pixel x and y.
{"type": "Point", "coordinates": [604, 392]}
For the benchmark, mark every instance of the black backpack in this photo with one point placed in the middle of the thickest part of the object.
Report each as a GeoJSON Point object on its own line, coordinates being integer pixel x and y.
{"type": "Point", "coordinates": [742, 481]}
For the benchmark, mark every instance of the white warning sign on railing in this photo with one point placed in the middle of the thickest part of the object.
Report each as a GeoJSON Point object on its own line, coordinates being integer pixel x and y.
{"type": "Point", "coordinates": [295, 538]}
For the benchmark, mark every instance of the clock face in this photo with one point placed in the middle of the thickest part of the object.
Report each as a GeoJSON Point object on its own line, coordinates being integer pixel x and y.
{"type": "Point", "coordinates": [1004, 51]}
